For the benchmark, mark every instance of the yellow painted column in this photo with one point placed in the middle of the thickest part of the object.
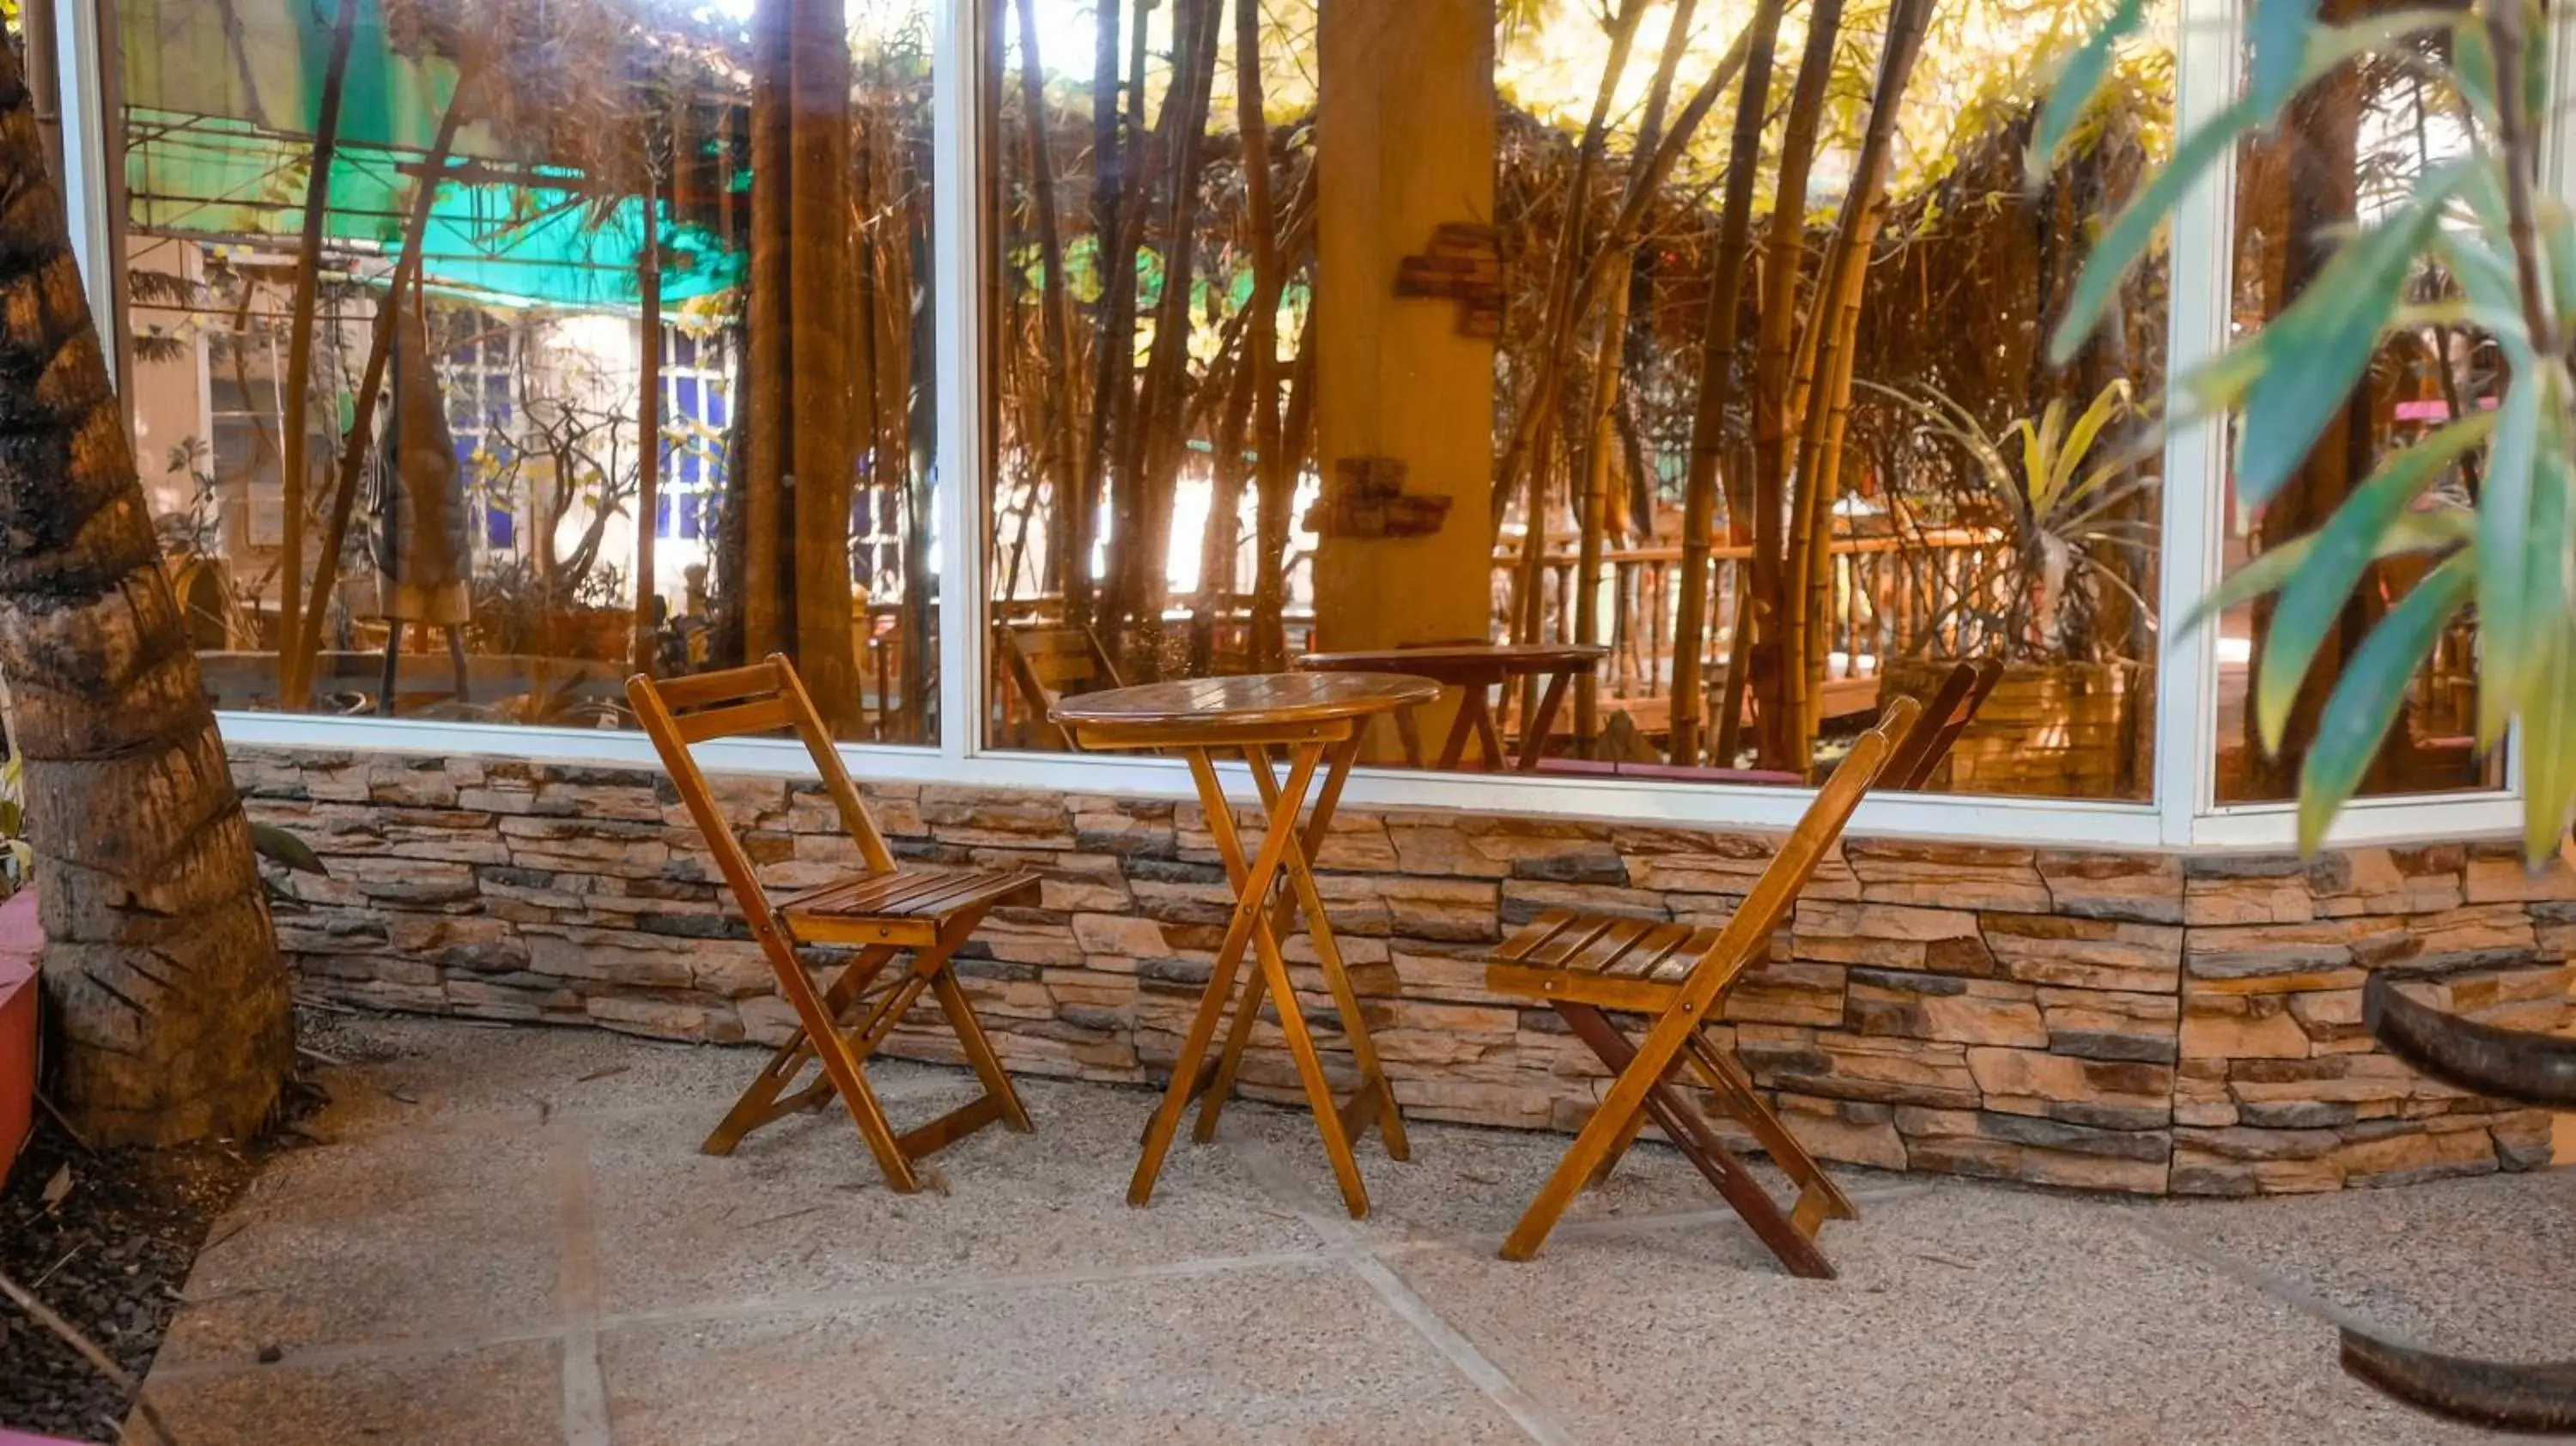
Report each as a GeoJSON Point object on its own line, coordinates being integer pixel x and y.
{"type": "Point", "coordinates": [1405, 145]}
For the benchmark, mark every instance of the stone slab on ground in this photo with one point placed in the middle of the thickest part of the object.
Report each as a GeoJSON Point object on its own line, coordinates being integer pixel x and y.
{"type": "Point", "coordinates": [511, 1238]}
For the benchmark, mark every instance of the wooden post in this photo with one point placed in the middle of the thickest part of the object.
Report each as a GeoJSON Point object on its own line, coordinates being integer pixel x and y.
{"type": "Point", "coordinates": [1404, 143]}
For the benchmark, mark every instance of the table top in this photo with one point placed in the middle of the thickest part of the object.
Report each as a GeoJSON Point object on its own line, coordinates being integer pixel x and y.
{"type": "Point", "coordinates": [1462, 657]}
{"type": "Point", "coordinates": [1253, 700]}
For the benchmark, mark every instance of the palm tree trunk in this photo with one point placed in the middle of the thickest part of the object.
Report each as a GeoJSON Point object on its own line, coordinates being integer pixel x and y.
{"type": "Point", "coordinates": [1774, 420]}
{"type": "Point", "coordinates": [161, 963]}
{"type": "Point", "coordinates": [297, 424]}
{"type": "Point", "coordinates": [1718, 329]}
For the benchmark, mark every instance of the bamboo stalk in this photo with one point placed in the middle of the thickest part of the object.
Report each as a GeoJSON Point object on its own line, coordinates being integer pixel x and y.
{"type": "Point", "coordinates": [307, 643]}
{"type": "Point", "coordinates": [648, 411]}
{"type": "Point", "coordinates": [293, 687]}
{"type": "Point", "coordinates": [1718, 328]}
{"type": "Point", "coordinates": [1057, 422]}
{"type": "Point", "coordinates": [1151, 452]}
{"type": "Point", "coordinates": [1774, 420]}
{"type": "Point", "coordinates": [1278, 491]}
{"type": "Point", "coordinates": [1836, 326]}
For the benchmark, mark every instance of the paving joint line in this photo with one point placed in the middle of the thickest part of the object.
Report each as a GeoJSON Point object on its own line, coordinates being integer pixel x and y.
{"type": "Point", "coordinates": [577, 1289]}
{"type": "Point", "coordinates": [1514, 1400]}
{"type": "Point", "coordinates": [2278, 1287]}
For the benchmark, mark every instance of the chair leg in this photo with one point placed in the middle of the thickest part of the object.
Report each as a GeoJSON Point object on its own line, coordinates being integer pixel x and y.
{"type": "Point", "coordinates": [841, 1068]}
{"type": "Point", "coordinates": [1698, 1144]}
{"type": "Point", "coordinates": [754, 1108]}
{"type": "Point", "coordinates": [1735, 1093]}
{"type": "Point", "coordinates": [979, 1050]}
{"type": "Point", "coordinates": [1618, 1151]}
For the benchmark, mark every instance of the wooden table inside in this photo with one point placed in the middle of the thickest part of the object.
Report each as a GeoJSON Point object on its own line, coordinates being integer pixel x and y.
{"type": "Point", "coordinates": [1315, 719]}
{"type": "Point", "coordinates": [1475, 669]}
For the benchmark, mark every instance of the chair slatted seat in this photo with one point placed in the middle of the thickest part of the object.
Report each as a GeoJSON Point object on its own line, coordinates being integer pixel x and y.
{"type": "Point", "coordinates": [1585, 964]}
{"type": "Point", "coordinates": [882, 910]}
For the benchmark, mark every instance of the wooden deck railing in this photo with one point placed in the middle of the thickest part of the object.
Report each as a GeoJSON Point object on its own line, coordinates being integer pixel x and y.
{"type": "Point", "coordinates": [1891, 596]}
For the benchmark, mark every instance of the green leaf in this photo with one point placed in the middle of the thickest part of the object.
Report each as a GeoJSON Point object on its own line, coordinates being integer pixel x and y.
{"type": "Point", "coordinates": [2268, 572]}
{"type": "Point", "coordinates": [2134, 229]}
{"type": "Point", "coordinates": [2473, 70]}
{"type": "Point", "coordinates": [2278, 32]}
{"type": "Point", "coordinates": [2545, 543]}
{"type": "Point", "coordinates": [2077, 82]}
{"type": "Point", "coordinates": [2318, 348]}
{"type": "Point", "coordinates": [2548, 752]}
{"type": "Point", "coordinates": [2373, 687]}
{"type": "Point", "coordinates": [279, 846]}
{"type": "Point", "coordinates": [2313, 598]}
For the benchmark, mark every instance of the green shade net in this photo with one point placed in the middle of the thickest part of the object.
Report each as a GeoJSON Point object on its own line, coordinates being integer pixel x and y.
{"type": "Point", "coordinates": [219, 143]}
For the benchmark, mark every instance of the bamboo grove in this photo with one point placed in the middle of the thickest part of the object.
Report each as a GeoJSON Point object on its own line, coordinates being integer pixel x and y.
{"type": "Point", "coordinates": [1672, 333]}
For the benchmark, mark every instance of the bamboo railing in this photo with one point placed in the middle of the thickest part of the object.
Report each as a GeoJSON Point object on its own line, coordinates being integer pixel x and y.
{"type": "Point", "coordinates": [1892, 596]}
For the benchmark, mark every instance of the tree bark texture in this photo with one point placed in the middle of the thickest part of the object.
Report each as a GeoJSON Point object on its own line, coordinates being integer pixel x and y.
{"type": "Point", "coordinates": [163, 968]}
{"type": "Point", "coordinates": [802, 355]}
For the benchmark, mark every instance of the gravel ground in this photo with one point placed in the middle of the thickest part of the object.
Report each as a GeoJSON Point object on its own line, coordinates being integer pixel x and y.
{"type": "Point", "coordinates": [105, 1241]}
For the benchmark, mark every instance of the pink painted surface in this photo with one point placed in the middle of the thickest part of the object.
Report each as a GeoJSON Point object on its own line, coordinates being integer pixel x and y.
{"type": "Point", "coordinates": [22, 940]}
{"type": "Point", "coordinates": [21, 1438]}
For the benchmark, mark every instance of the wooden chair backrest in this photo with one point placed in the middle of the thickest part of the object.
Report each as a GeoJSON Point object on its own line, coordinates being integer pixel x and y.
{"type": "Point", "coordinates": [1945, 716]}
{"type": "Point", "coordinates": [1748, 932]}
{"type": "Point", "coordinates": [762, 698]}
{"type": "Point", "coordinates": [1049, 661]}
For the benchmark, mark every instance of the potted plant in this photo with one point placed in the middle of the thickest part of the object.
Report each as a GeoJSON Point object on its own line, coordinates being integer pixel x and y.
{"type": "Point", "coordinates": [2070, 714]}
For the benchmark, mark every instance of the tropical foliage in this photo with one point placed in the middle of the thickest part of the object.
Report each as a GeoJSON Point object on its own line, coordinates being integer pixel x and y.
{"type": "Point", "coordinates": [2501, 561]}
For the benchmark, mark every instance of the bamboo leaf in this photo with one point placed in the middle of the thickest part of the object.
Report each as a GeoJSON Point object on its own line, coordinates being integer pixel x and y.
{"type": "Point", "coordinates": [2078, 80]}
{"type": "Point", "coordinates": [2318, 348]}
{"type": "Point", "coordinates": [2548, 732]}
{"type": "Point", "coordinates": [2130, 233]}
{"type": "Point", "coordinates": [2544, 618]}
{"type": "Point", "coordinates": [2270, 571]}
{"type": "Point", "coordinates": [2313, 598]}
{"type": "Point", "coordinates": [2278, 33]}
{"type": "Point", "coordinates": [2373, 687]}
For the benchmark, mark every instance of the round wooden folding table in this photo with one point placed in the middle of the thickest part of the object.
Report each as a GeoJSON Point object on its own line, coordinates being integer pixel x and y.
{"type": "Point", "coordinates": [1476, 669]}
{"type": "Point", "coordinates": [1315, 719]}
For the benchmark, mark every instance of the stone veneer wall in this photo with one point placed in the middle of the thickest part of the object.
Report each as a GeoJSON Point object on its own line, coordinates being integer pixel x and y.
{"type": "Point", "coordinates": [2131, 1022]}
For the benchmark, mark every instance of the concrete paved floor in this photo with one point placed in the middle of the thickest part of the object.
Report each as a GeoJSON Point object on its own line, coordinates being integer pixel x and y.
{"type": "Point", "coordinates": [509, 1237]}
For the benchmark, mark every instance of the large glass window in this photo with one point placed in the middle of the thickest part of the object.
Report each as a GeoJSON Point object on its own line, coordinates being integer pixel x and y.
{"type": "Point", "coordinates": [2344, 151]}
{"type": "Point", "coordinates": [1498, 347]}
{"type": "Point", "coordinates": [609, 349]}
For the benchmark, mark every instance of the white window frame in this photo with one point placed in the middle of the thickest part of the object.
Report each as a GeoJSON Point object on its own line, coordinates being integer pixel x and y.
{"type": "Point", "coordinates": [2182, 814]}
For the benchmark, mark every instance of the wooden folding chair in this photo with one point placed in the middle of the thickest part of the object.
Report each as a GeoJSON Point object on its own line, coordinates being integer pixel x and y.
{"type": "Point", "coordinates": [1048, 661]}
{"type": "Point", "coordinates": [1583, 965]}
{"type": "Point", "coordinates": [884, 910]}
